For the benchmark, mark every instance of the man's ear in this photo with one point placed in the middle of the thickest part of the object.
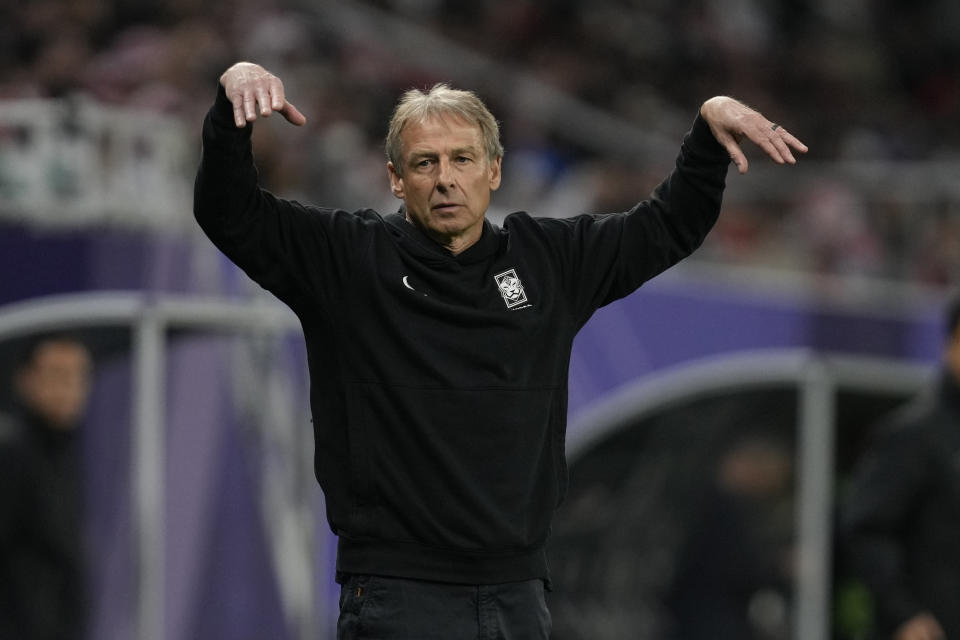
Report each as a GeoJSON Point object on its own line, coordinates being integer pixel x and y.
{"type": "Point", "coordinates": [495, 173]}
{"type": "Point", "coordinates": [396, 182]}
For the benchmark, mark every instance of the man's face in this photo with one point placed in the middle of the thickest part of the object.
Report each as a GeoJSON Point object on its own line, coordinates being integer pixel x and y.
{"type": "Point", "coordinates": [446, 181]}
{"type": "Point", "coordinates": [56, 383]}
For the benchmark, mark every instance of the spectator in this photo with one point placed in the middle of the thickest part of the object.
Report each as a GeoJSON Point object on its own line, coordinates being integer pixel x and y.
{"type": "Point", "coordinates": [41, 550]}
{"type": "Point", "coordinates": [901, 520]}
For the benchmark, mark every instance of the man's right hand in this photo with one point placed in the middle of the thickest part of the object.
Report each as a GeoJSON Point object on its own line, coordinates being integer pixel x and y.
{"type": "Point", "coordinates": [922, 626]}
{"type": "Point", "coordinates": [249, 86]}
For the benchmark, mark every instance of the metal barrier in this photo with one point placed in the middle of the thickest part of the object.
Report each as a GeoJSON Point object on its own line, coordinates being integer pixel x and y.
{"type": "Point", "coordinates": [818, 378]}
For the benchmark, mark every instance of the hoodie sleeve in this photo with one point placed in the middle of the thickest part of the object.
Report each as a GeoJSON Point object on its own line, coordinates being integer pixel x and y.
{"type": "Point", "coordinates": [287, 248]}
{"type": "Point", "coordinates": [605, 257]}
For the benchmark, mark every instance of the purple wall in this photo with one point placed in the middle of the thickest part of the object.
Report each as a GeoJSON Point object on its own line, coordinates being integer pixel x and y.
{"type": "Point", "coordinates": [675, 320]}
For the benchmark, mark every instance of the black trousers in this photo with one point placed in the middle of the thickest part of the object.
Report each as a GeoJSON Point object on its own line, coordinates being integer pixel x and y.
{"type": "Point", "coordinates": [382, 608]}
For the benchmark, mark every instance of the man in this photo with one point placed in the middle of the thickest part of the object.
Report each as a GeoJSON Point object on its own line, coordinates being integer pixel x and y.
{"type": "Point", "coordinates": [900, 522]}
{"type": "Point", "coordinates": [41, 550]}
{"type": "Point", "coordinates": [439, 344]}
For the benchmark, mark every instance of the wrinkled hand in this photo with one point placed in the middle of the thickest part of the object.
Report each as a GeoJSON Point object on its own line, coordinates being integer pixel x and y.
{"type": "Point", "coordinates": [922, 626]}
{"type": "Point", "coordinates": [731, 121]}
{"type": "Point", "coordinates": [248, 86]}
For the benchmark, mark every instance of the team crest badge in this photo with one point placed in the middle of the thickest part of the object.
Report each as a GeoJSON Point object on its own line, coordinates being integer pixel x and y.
{"type": "Point", "coordinates": [510, 288]}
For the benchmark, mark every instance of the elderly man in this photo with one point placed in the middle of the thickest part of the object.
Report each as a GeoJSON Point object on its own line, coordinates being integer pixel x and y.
{"type": "Point", "coordinates": [439, 343]}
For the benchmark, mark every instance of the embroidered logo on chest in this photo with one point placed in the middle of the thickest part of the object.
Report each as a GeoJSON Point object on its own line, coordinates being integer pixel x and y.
{"type": "Point", "coordinates": [510, 288]}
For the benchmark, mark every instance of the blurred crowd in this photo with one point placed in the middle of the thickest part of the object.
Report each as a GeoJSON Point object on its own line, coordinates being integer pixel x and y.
{"type": "Point", "coordinates": [860, 81]}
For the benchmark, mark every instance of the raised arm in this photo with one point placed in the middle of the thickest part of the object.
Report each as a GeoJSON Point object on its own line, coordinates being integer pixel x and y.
{"type": "Point", "coordinates": [673, 222]}
{"type": "Point", "coordinates": [263, 234]}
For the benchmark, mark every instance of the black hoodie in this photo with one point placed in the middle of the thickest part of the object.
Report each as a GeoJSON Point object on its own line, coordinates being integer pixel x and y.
{"type": "Point", "coordinates": [439, 381]}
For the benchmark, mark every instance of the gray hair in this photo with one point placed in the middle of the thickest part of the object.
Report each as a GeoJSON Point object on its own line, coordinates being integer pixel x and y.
{"type": "Point", "coordinates": [441, 100]}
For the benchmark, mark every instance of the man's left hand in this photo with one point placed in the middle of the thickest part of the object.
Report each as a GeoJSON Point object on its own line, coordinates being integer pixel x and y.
{"type": "Point", "coordinates": [730, 121]}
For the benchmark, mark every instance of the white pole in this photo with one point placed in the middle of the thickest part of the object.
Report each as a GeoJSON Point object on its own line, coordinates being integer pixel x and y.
{"type": "Point", "coordinates": [814, 497]}
{"type": "Point", "coordinates": [148, 471]}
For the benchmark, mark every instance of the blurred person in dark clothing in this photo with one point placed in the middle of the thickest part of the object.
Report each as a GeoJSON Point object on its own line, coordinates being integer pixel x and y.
{"type": "Point", "coordinates": [900, 523]}
{"type": "Point", "coordinates": [737, 555]}
{"type": "Point", "coordinates": [41, 557]}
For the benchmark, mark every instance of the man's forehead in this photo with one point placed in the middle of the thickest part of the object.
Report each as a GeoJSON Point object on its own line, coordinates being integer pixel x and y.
{"type": "Point", "coordinates": [450, 128]}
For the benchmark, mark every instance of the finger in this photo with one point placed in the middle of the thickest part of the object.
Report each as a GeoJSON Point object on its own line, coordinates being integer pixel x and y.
{"type": "Point", "coordinates": [791, 140]}
{"type": "Point", "coordinates": [249, 106]}
{"type": "Point", "coordinates": [277, 98]}
{"type": "Point", "coordinates": [292, 114]}
{"type": "Point", "coordinates": [238, 118]}
{"type": "Point", "coordinates": [263, 100]}
{"type": "Point", "coordinates": [735, 152]}
{"type": "Point", "coordinates": [783, 150]}
{"type": "Point", "coordinates": [772, 145]}
{"type": "Point", "coordinates": [786, 144]}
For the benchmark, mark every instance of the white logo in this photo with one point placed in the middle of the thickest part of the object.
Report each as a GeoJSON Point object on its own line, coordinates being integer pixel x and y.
{"type": "Point", "coordinates": [510, 288]}
{"type": "Point", "coordinates": [406, 282]}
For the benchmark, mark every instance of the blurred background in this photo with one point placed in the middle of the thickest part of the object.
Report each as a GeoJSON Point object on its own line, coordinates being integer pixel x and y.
{"type": "Point", "coordinates": [713, 414]}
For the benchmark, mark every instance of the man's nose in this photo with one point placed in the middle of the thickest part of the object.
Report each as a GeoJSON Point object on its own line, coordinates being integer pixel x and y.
{"type": "Point", "coordinates": [445, 175]}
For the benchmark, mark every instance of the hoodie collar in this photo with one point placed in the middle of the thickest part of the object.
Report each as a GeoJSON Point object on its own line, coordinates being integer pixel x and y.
{"type": "Point", "coordinates": [415, 240]}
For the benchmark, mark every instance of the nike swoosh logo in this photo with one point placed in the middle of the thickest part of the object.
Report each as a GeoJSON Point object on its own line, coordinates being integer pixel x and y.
{"type": "Point", "coordinates": [406, 282]}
